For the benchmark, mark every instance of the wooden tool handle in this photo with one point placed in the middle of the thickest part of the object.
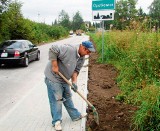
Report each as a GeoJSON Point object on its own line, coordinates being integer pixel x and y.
{"type": "Point", "coordinates": [76, 91]}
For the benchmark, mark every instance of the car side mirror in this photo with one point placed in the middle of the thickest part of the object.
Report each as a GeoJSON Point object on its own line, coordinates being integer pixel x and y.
{"type": "Point", "coordinates": [32, 46]}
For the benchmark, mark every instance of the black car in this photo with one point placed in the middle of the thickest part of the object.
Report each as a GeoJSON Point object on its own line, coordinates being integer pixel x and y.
{"type": "Point", "coordinates": [18, 52]}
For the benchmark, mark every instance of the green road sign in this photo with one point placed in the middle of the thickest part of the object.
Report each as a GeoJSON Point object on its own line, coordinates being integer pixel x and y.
{"type": "Point", "coordinates": [103, 4]}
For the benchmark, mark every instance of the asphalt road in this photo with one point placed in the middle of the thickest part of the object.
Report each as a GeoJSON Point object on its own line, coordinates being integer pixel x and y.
{"type": "Point", "coordinates": [16, 82]}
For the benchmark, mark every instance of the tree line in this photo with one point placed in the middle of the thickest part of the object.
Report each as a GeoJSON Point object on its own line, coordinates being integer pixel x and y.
{"type": "Point", "coordinates": [128, 17]}
{"type": "Point", "coordinates": [14, 26]}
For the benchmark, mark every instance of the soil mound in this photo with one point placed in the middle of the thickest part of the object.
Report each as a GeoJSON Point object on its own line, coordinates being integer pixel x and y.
{"type": "Point", "coordinates": [113, 115]}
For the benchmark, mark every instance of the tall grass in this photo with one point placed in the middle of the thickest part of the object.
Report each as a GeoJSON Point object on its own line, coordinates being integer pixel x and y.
{"type": "Point", "coordinates": [148, 115]}
{"type": "Point", "coordinates": [137, 56]}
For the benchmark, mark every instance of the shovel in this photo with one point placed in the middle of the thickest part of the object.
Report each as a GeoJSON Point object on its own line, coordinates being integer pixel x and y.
{"type": "Point", "coordinates": [95, 113]}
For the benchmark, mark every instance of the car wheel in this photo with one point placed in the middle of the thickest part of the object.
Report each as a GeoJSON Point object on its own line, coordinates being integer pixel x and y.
{"type": "Point", "coordinates": [38, 56]}
{"type": "Point", "coordinates": [26, 62]}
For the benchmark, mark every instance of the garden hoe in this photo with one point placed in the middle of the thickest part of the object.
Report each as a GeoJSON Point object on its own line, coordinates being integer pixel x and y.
{"type": "Point", "coordinates": [95, 113]}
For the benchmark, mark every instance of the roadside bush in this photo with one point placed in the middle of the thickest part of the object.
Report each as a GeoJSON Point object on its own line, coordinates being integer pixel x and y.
{"type": "Point", "coordinates": [137, 57]}
{"type": "Point", "coordinates": [57, 31]}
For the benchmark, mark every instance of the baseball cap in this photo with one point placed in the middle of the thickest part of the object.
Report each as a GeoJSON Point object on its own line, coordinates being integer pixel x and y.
{"type": "Point", "coordinates": [89, 45]}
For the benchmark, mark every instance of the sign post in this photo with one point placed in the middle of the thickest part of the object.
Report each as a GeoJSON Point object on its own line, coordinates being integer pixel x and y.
{"type": "Point", "coordinates": [103, 10]}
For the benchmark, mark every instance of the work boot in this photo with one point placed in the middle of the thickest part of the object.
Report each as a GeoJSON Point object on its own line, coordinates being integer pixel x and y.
{"type": "Point", "coordinates": [58, 126]}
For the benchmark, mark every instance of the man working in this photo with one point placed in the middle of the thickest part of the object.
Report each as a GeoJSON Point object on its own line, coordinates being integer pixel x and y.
{"type": "Point", "coordinates": [67, 59]}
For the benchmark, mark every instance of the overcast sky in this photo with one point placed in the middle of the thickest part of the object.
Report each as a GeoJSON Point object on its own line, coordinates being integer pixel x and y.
{"type": "Point", "coordinates": [48, 10]}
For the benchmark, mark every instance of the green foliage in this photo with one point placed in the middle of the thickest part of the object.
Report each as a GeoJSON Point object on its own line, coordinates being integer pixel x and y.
{"type": "Point", "coordinates": [141, 66]}
{"type": "Point", "coordinates": [63, 20]}
{"type": "Point", "coordinates": [12, 20]}
{"type": "Point", "coordinates": [147, 118]}
{"type": "Point", "coordinates": [83, 27]}
{"type": "Point", "coordinates": [125, 11]}
{"type": "Point", "coordinates": [141, 14]}
{"type": "Point", "coordinates": [55, 22]}
{"type": "Point", "coordinates": [155, 12]}
{"type": "Point", "coordinates": [77, 21]}
{"type": "Point", "coordinates": [14, 26]}
{"type": "Point", "coordinates": [137, 57]}
{"type": "Point", "coordinates": [91, 29]}
{"type": "Point", "coordinates": [40, 31]}
{"type": "Point", "coordinates": [43, 33]}
{"type": "Point", "coordinates": [3, 5]}
{"type": "Point", "coordinates": [57, 31]}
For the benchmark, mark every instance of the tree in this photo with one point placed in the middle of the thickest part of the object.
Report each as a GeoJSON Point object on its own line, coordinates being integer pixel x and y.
{"type": "Point", "coordinates": [77, 21]}
{"type": "Point", "coordinates": [125, 11]}
{"type": "Point", "coordinates": [3, 7]}
{"type": "Point", "coordinates": [154, 12]}
{"type": "Point", "coordinates": [15, 20]}
{"type": "Point", "coordinates": [55, 22]}
{"type": "Point", "coordinates": [141, 13]}
{"type": "Point", "coordinates": [107, 24]}
{"type": "Point", "coordinates": [93, 24]}
{"type": "Point", "coordinates": [14, 26]}
{"type": "Point", "coordinates": [63, 20]}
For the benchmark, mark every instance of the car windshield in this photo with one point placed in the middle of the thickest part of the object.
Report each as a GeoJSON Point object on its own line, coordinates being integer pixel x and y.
{"type": "Point", "coordinates": [11, 44]}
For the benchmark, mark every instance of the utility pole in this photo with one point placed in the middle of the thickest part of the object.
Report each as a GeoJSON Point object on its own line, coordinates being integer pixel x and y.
{"type": "Point", "coordinates": [95, 27]}
{"type": "Point", "coordinates": [102, 41]}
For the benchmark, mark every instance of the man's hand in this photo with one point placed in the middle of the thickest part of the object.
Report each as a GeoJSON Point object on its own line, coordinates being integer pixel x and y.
{"type": "Point", "coordinates": [74, 87]}
{"type": "Point", "coordinates": [55, 68]}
